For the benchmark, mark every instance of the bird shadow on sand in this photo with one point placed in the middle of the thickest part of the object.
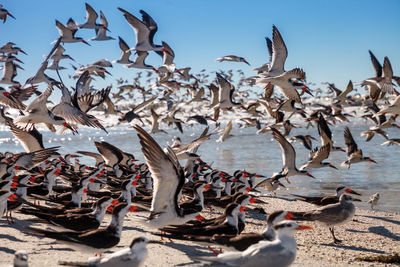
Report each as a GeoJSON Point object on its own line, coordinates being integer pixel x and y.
{"type": "Point", "coordinates": [382, 231]}
{"type": "Point", "coordinates": [354, 248]}
{"type": "Point", "coordinates": [10, 237]}
{"type": "Point", "coordinates": [7, 250]}
{"type": "Point", "coordinates": [382, 219]}
{"type": "Point", "coordinates": [189, 250]}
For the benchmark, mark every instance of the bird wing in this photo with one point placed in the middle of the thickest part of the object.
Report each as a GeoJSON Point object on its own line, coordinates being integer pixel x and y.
{"type": "Point", "coordinates": [31, 140]}
{"type": "Point", "coordinates": [150, 23]}
{"type": "Point", "coordinates": [96, 156]}
{"type": "Point", "coordinates": [279, 51]}
{"type": "Point", "coordinates": [144, 104]}
{"type": "Point", "coordinates": [103, 20]}
{"type": "Point", "coordinates": [324, 131]}
{"type": "Point", "coordinates": [194, 144]}
{"type": "Point", "coordinates": [376, 64]}
{"type": "Point", "coordinates": [142, 32]}
{"type": "Point", "coordinates": [288, 152]}
{"type": "Point", "coordinates": [387, 69]}
{"type": "Point", "coordinates": [91, 14]}
{"type": "Point", "coordinates": [63, 30]}
{"type": "Point", "coordinates": [322, 153]}
{"type": "Point", "coordinates": [224, 88]}
{"type": "Point", "coordinates": [296, 73]}
{"type": "Point", "coordinates": [349, 88]}
{"type": "Point", "coordinates": [40, 101]}
{"type": "Point", "coordinates": [269, 46]}
{"type": "Point", "coordinates": [110, 153]}
{"type": "Point", "coordinates": [124, 48]}
{"type": "Point", "coordinates": [32, 159]}
{"type": "Point", "coordinates": [349, 141]}
{"type": "Point", "coordinates": [72, 115]}
{"type": "Point", "coordinates": [166, 172]}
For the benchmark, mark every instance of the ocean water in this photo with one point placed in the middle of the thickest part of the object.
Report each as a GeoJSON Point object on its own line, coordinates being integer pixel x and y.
{"type": "Point", "coordinates": [261, 154]}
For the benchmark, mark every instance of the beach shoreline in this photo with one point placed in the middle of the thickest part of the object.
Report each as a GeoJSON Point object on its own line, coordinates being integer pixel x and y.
{"type": "Point", "coordinates": [370, 233]}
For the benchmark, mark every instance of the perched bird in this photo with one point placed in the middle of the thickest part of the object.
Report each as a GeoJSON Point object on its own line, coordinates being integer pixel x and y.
{"type": "Point", "coordinates": [279, 252]}
{"type": "Point", "coordinates": [373, 200]}
{"type": "Point", "coordinates": [133, 256]}
{"type": "Point", "coordinates": [21, 259]}
{"type": "Point", "coordinates": [330, 215]}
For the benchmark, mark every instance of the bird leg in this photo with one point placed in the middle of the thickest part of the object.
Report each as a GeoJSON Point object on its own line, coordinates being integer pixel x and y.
{"type": "Point", "coordinates": [213, 250]}
{"type": "Point", "coordinates": [287, 179]}
{"type": "Point", "coordinates": [335, 240]}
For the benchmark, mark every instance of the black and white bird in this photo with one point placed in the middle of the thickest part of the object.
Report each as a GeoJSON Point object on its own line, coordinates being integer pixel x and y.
{"type": "Point", "coordinates": [288, 158]}
{"type": "Point", "coordinates": [354, 155]}
{"type": "Point", "coordinates": [169, 179]}
{"type": "Point", "coordinates": [232, 58]}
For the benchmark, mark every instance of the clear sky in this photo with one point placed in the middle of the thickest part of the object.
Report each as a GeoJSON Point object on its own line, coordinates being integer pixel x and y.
{"type": "Point", "coordinates": [328, 39]}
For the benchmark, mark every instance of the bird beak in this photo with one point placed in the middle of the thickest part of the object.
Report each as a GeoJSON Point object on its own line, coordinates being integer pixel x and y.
{"type": "Point", "coordinates": [133, 208]}
{"type": "Point", "coordinates": [357, 199]}
{"type": "Point", "coordinates": [371, 160]}
{"type": "Point", "coordinates": [289, 216]}
{"type": "Point", "coordinates": [70, 127]}
{"type": "Point", "coordinates": [309, 174]}
{"type": "Point", "coordinates": [200, 218]}
{"type": "Point", "coordinates": [246, 62]}
{"type": "Point", "coordinates": [313, 138]}
{"type": "Point", "coordinates": [306, 89]}
{"type": "Point", "coordinates": [8, 13]}
{"type": "Point", "coordinates": [242, 208]}
{"type": "Point", "coordinates": [83, 41]}
{"type": "Point", "coordinates": [304, 227]}
{"type": "Point", "coordinates": [349, 191]}
{"type": "Point", "coordinates": [330, 165]}
{"type": "Point", "coordinates": [279, 183]}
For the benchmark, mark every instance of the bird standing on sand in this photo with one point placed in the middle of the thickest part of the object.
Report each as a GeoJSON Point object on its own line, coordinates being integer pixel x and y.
{"type": "Point", "coordinates": [373, 200]}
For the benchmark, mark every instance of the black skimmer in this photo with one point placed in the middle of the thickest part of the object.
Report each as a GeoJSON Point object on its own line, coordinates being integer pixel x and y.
{"type": "Point", "coordinates": [225, 94]}
{"type": "Point", "coordinates": [100, 238]}
{"type": "Point", "coordinates": [101, 33]}
{"type": "Point", "coordinates": [9, 73]}
{"type": "Point", "coordinates": [132, 114]}
{"type": "Point", "coordinates": [326, 134]}
{"type": "Point", "coordinates": [286, 86]}
{"type": "Point", "coordinates": [76, 222]}
{"type": "Point", "coordinates": [327, 200]}
{"type": "Point", "coordinates": [67, 32]}
{"type": "Point", "coordinates": [384, 82]}
{"type": "Point", "coordinates": [9, 100]}
{"type": "Point", "coordinates": [4, 13]}
{"type": "Point", "coordinates": [169, 179]}
{"type": "Point", "coordinates": [225, 134]}
{"type": "Point", "coordinates": [139, 61]}
{"type": "Point", "coordinates": [373, 200]}
{"type": "Point", "coordinates": [279, 252]}
{"type": "Point", "coordinates": [144, 31]}
{"type": "Point", "coordinates": [354, 155]}
{"type": "Point", "coordinates": [288, 158]}
{"type": "Point", "coordinates": [316, 161]}
{"type": "Point", "coordinates": [330, 215]}
{"type": "Point", "coordinates": [393, 109]}
{"type": "Point", "coordinates": [232, 58]}
{"type": "Point", "coordinates": [31, 140]}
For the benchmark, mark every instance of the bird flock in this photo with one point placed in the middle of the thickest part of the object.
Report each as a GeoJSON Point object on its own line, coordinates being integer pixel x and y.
{"type": "Point", "coordinates": [166, 194]}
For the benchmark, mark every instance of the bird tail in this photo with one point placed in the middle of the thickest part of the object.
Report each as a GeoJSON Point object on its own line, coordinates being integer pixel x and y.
{"type": "Point", "coordinates": [302, 216]}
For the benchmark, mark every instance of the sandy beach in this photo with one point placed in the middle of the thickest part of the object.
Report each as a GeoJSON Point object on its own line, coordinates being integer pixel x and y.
{"type": "Point", "coordinates": [370, 233]}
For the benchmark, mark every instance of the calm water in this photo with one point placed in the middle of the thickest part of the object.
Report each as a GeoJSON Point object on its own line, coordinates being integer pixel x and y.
{"type": "Point", "coordinates": [262, 154]}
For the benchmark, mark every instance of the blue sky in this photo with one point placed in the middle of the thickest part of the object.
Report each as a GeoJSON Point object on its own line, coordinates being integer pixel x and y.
{"type": "Point", "coordinates": [328, 39]}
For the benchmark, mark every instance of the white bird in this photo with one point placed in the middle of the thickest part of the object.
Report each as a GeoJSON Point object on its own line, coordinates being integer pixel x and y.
{"type": "Point", "coordinates": [101, 33]}
{"type": "Point", "coordinates": [144, 31]}
{"type": "Point", "coordinates": [373, 200]}
{"type": "Point", "coordinates": [279, 252]}
{"type": "Point", "coordinates": [133, 256]}
{"type": "Point", "coordinates": [21, 259]}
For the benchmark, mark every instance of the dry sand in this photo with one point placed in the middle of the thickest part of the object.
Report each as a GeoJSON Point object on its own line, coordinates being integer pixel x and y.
{"type": "Point", "coordinates": [370, 233]}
